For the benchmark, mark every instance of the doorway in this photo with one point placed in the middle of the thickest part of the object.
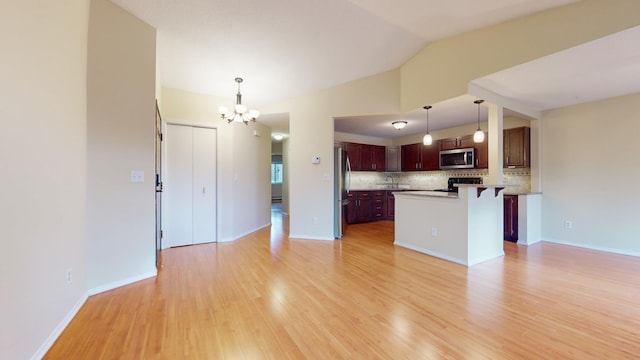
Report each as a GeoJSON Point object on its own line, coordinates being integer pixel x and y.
{"type": "Point", "coordinates": [189, 189]}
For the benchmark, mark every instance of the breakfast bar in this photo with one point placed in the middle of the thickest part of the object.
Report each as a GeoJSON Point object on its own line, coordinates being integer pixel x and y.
{"type": "Point", "coordinates": [464, 227]}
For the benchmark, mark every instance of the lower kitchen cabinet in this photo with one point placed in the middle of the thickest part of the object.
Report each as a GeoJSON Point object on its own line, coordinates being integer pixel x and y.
{"type": "Point", "coordinates": [378, 206]}
{"type": "Point", "coordinates": [391, 205]}
{"type": "Point", "coordinates": [366, 206]}
{"type": "Point", "coordinates": [359, 207]}
{"type": "Point", "coordinates": [511, 217]}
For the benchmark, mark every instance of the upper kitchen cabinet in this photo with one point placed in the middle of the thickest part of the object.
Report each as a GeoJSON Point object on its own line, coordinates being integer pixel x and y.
{"type": "Point", "coordinates": [460, 142]}
{"type": "Point", "coordinates": [517, 147]}
{"type": "Point", "coordinates": [364, 157]}
{"type": "Point", "coordinates": [482, 153]}
{"type": "Point", "coordinates": [420, 157]}
{"type": "Point", "coordinates": [353, 154]}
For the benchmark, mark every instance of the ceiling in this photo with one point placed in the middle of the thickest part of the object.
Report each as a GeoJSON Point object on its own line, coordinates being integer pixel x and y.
{"type": "Point", "coordinates": [288, 48]}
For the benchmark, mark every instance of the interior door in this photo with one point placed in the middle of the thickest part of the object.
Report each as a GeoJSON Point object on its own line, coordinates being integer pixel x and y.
{"type": "Point", "coordinates": [159, 137]}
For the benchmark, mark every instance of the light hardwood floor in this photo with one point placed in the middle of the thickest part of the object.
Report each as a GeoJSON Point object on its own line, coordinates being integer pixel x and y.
{"type": "Point", "coordinates": [269, 297]}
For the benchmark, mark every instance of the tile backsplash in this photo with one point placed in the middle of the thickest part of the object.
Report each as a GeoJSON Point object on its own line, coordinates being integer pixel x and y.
{"type": "Point", "coordinates": [437, 179]}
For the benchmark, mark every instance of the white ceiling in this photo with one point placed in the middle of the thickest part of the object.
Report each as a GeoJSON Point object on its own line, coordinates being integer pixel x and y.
{"type": "Point", "coordinates": [287, 48]}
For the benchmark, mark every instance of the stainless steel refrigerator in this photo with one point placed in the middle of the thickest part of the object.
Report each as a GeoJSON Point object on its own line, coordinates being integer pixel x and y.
{"type": "Point", "coordinates": [342, 180]}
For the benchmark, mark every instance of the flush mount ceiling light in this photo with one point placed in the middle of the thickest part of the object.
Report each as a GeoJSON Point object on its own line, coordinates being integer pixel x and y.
{"type": "Point", "coordinates": [278, 137]}
{"type": "Point", "coordinates": [399, 124]}
{"type": "Point", "coordinates": [240, 112]}
{"type": "Point", "coordinates": [478, 136]}
{"type": "Point", "coordinates": [427, 139]}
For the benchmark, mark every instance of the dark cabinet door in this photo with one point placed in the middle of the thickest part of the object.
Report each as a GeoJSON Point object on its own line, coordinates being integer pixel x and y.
{"type": "Point", "coordinates": [430, 156]}
{"type": "Point", "coordinates": [449, 144]}
{"type": "Point", "coordinates": [353, 153]}
{"type": "Point", "coordinates": [378, 157]}
{"type": "Point", "coordinates": [410, 157]}
{"type": "Point", "coordinates": [511, 218]}
{"type": "Point", "coordinates": [352, 209]}
{"type": "Point", "coordinates": [359, 207]}
{"type": "Point", "coordinates": [466, 141]}
{"type": "Point", "coordinates": [482, 153]}
{"type": "Point", "coordinates": [364, 206]}
{"type": "Point", "coordinates": [366, 156]}
{"type": "Point", "coordinates": [517, 147]}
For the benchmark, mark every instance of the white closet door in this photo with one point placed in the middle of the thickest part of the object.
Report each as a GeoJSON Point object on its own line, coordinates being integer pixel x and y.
{"type": "Point", "coordinates": [189, 208]}
{"type": "Point", "coordinates": [178, 187]}
{"type": "Point", "coordinates": [204, 185]}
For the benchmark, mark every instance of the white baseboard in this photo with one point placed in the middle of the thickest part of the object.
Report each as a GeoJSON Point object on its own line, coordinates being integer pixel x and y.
{"type": "Point", "coordinates": [42, 351]}
{"type": "Point", "coordinates": [117, 284]}
{"type": "Point", "coordinates": [236, 237]}
{"type": "Point", "coordinates": [593, 247]}
{"type": "Point", "coordinates": [430, 253]}
{"type": "Point", "coordinates": [311, 237]}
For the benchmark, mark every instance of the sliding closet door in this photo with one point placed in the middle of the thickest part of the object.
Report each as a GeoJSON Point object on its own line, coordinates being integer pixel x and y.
{"type": "Point", "coordinates": [189, 211]}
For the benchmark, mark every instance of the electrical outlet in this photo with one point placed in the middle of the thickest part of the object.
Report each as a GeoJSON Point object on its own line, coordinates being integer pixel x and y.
{"type": "Point", "coordinates": [315, 220]}
{"type": "Point", "coordinates": [568, 224]}
{"type": "Point", "coordinates": [434, 232]}
{"type": "Point", "coordinates": [68, 276]}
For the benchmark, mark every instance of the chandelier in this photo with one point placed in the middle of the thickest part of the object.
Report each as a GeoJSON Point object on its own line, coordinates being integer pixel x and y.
{"type": "Point", "coordinates": [240, 112]}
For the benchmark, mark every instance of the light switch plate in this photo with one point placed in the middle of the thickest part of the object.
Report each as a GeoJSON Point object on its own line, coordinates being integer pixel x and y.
{"type": "Point", "coordinates": [315, 160]}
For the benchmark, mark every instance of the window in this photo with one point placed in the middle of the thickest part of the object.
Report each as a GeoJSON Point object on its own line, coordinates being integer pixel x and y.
{"type": "Point", "coordinates": [276, 169]}
{"type": "Point", "coordinates": [276, 173]}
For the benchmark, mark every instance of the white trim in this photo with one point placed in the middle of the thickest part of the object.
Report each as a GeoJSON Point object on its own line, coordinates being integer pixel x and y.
{"type": "Point", "coordinates": [311, 237]}
{"type": "Point", "coordinates": [594, 247]}
{"type": "Point", "coordinates": [42, 351]}
{"type": "Point", "coordinates": [430, 253]}
{"type": "Point", "coordinates": [238, 237]}
{"type": "Point", "coordinates": [117, 284]}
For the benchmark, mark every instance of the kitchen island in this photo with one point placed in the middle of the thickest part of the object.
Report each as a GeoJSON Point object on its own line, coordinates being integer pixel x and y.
{"type": "Point", "coordinates": [464, 227]}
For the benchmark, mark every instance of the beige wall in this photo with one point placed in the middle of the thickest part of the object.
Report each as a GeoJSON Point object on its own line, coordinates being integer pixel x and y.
{"type": "Point", "coordinates": [589, 174]}
{"type": "Point", "coordinates": [244, 161]}
{"type": "Point", "coordinates": [43, 166]}
{"type": "Point", "coordinates": [311, 134]}
{"type": "Point", "coordinates": [120, 138]}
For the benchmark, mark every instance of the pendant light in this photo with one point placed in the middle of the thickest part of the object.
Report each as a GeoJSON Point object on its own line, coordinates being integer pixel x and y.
{"type": "Point", "coordinates": [427, 139]}
{"type": "Point", "coordinates": [478, 136]}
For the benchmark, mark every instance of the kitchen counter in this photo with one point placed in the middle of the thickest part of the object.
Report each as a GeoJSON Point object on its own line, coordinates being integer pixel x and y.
{"type": "Point", "coordinates": [466, 228]}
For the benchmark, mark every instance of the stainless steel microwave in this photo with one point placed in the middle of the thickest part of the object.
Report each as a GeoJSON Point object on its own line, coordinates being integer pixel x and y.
{"type": "Point", "coordinates": [458, 159]}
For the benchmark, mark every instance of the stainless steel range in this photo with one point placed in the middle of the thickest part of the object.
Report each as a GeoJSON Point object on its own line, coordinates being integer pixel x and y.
{"type": "Point", "coordinates": [453, 181]}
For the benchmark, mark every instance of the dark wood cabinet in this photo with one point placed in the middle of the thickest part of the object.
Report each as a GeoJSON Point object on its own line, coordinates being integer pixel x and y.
{"type": "Point", "coordinates": [353, 153]}
{"type": "Point", "coordinates": [378, 205]}
{"type": "Point", "coordinates": [420, 157]}
{"type": "Point", "coordinates": [459, 142]}
{"type": "Point", "coordinates": [517, 147]}
{"type": "Point", "coordinates": [365, 206]}
{"type": "Point", "coordinates": [359, 207]}
{"type": "Point", "coordinates": [482, 153]}
{"type": "Point", "coordinates": [391, 205]}
{"type": "Point", "coordinates": [379, 158]}
{"type": "Point", "coordinates": [365, 157]}
{"type": "Point", "coordinates": [511, 217]}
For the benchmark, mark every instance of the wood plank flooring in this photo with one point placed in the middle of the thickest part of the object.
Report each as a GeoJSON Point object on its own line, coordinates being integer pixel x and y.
{"type": "Point", "coordinates": [269, 297]}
